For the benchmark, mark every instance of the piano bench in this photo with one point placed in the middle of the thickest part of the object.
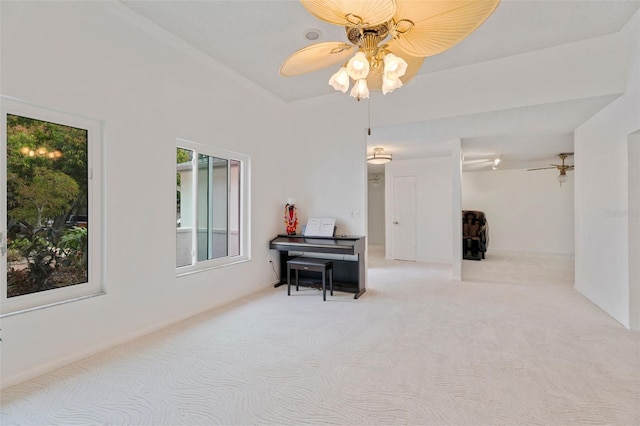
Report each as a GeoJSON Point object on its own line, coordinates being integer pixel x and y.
{"type": "Point", "coordinates": [312, 265]}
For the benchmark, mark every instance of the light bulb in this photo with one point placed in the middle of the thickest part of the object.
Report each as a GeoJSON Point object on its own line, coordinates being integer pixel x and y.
{"type": "Point", "coordinates": [360, 90]}
{"type": "Point", "coordinates": [340, 80]}
{"type": "Point", "coordinates": [390, 84]}
{"type": "Point", "coordinates": [358, 66]}
{"type": "Point", "coordinates": [394, 66]}
{"type": "Point", "coordinates": [562, 178]}
{"type": "Point", "coordinates": [496, 163]}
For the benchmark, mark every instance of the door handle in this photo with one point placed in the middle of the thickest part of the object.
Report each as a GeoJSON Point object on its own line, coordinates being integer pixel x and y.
{"type": "Point", "coordinates": [396, 222]}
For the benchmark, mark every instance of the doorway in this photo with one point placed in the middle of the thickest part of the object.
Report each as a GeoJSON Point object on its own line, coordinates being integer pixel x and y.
{"type": "Point", "coordinates": [530, 234]}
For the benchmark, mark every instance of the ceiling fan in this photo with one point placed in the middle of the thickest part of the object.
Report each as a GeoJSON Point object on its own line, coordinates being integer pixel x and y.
{"type": "Point", "coordinates": [389, 39]}
{"type": "Point", "coordinates": [562, 177]}
{"type": "Point", "coordinates": [376, 179]}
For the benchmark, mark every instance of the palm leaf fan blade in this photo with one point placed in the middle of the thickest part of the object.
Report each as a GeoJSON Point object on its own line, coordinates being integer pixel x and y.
{"type": "Point", "coordinates": [349, 12]}
{"type": "Point", "coordinates": [440, 24]}
{"type": "Point", "coordinates": [315, 57]}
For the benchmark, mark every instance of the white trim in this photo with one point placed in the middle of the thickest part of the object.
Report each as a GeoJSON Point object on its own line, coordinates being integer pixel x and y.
{"type": "Point", "coordinates": [62, 302]}
{"type": "Point", "coordinates": [3, 208]}
{"type": "Point", "coordinates": [95, 166]}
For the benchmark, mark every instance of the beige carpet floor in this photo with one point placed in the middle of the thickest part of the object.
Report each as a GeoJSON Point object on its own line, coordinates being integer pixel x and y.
{"type": "Point", "coordinates": [416, 348]}
{"type": "Point", "coordinates": [521, 268]}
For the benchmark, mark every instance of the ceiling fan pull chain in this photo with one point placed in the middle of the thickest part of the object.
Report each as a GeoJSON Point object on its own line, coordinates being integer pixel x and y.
{"type": "Point", "coordinates": [369, 128]}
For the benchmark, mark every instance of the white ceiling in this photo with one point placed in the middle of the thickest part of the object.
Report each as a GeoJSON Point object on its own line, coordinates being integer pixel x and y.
{"type": "Point", "coordinates": [253, 37]}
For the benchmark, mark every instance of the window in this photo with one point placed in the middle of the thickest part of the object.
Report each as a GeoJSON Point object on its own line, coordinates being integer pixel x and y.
{"type": "Point", "coordinates": [211, 207]}
{"type": "Point", "coordinates": [50, 215]}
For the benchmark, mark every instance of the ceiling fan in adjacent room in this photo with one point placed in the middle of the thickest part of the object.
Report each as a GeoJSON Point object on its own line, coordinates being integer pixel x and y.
{"type": "Point", "coordinates": [376, 179]}
{"type": "Point", "coordinates": [562, 177]}
{"type": "Point", "coordinates": [389, 39]}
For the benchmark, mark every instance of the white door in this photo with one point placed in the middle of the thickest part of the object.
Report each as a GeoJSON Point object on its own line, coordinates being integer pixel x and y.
{"type": "Point", "coordinates": [403, 221]}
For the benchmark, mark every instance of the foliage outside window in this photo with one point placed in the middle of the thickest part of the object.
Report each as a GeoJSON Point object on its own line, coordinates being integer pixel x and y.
{"type": "Point", "coordinates": [48, 208]}
{"type": "Point", "coordinates": [211, 213]}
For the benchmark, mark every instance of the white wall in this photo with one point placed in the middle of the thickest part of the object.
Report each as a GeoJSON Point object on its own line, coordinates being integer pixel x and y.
{"type": "Point", "coordinates": [526, 211]}
{"type": "Point", "coordinates": [98, 60]}
{"type": "Point", "coordinates": [328, 175]}
{"type": "Point", "coordinates": [433, 205]}
{"type": "Point", "coordinates": [601, 187]}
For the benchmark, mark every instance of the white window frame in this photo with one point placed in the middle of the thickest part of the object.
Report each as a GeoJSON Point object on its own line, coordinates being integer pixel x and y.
{"type": "Point", "coordinates": [95, 157]}
{"type": "Point", "coordinates": [244, 208]}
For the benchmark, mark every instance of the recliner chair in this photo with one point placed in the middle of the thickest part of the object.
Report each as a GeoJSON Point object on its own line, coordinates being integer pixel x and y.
{"type": "Point", "coordinates": [475, 235]}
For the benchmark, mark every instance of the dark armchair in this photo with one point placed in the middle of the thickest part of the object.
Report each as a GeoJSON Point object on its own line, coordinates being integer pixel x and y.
{"type": "Point", "coordinates": [475, 235]}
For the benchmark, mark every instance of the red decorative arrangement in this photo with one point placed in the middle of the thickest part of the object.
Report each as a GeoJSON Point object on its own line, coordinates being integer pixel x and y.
{"type": "Point", "coordinates": [290, 218]}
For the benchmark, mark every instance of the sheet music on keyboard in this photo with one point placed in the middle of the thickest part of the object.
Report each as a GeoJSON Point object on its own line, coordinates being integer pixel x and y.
{"type": "Point", "coordinates": [320, 227]}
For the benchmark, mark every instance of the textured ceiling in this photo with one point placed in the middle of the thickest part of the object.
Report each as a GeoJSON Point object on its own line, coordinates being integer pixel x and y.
{"type": "Point", "coordinates": [254, 37]}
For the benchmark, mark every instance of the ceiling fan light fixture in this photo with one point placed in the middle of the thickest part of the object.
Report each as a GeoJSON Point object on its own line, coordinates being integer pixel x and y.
{"type": "Point", "coordinates": [378, 157]}
{"type": "Point", "coordinates": [379, 29]}
{"type": "Point", "coordinates": [390, 84]}
{"type": "Point", "coordinates": [394, 66]}
{"type": "Point", "coordinates": [358, 66]}
{"type": "Point", "coordinates": [562, 177]}
{"type": "Point", "coordinates": [496, 163]}
{"type": "Point", "coordinates": [340, 80]}
{"type": "Point", "coordinates": [360, 89]}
